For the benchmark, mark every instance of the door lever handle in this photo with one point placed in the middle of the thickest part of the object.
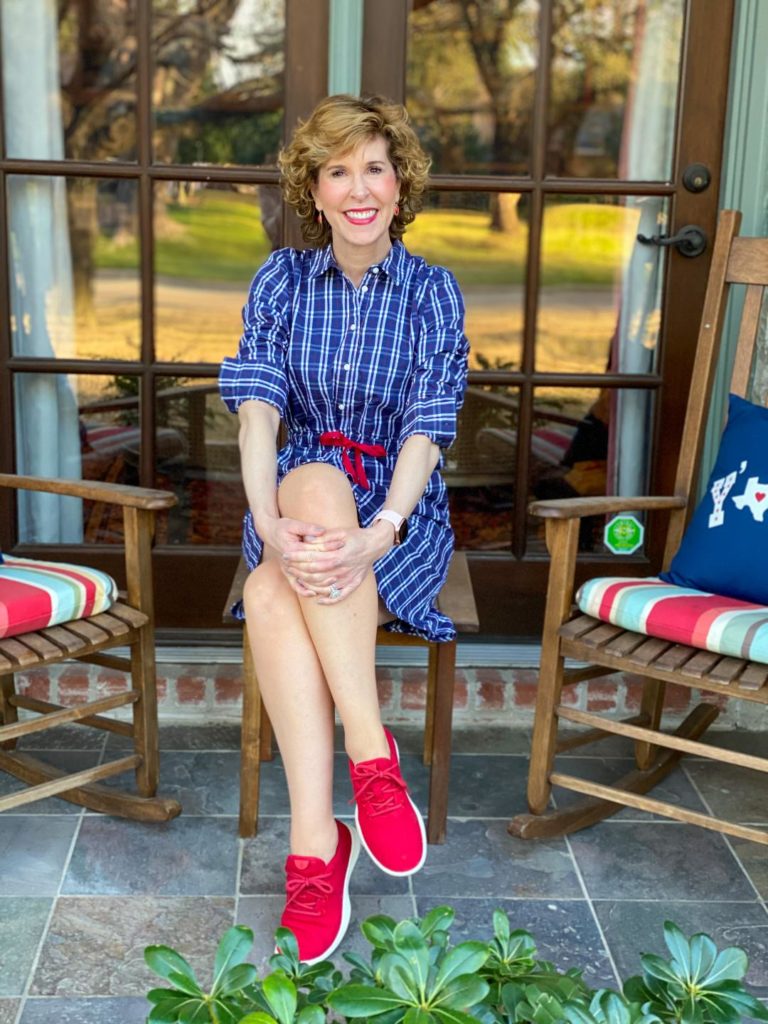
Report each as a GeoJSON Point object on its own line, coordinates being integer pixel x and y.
{"type": "Point", "coordinates": [689, 241]}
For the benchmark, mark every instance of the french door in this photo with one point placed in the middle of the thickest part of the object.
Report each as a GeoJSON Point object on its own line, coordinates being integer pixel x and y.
{"type": "Point", "coordinates": [138, 194]}
{"type": "Point", "coordinates": [560, 131]}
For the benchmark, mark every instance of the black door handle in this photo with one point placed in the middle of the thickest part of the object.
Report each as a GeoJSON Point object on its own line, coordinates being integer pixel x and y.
{"type": "Point", "coordinates": [689, 241]}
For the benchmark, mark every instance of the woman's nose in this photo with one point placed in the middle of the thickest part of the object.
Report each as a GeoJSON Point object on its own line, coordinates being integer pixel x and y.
{"type": "Point", "coordinates": [359, 187]}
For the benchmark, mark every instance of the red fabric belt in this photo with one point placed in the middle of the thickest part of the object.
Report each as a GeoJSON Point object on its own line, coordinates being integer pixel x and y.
{"type": "Point", "coordinates": [335, 439]}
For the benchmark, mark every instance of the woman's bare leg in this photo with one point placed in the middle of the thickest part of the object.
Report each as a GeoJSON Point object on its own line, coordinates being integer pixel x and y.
{"type": "Point", "coordinates": [343, 634]}
{"type": "Point", "coordinates": [299, 704]}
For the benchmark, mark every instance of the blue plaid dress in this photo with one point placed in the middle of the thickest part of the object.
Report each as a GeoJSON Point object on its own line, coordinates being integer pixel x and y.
{"type": "Point", "coordinates": [363, 369]}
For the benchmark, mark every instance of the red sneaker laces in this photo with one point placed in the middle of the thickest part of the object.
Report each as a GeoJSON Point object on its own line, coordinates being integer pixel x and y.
{"type": "Point", "coordinates": [388, 796]}
{"type": "Point", "coordinates": [306, 895]}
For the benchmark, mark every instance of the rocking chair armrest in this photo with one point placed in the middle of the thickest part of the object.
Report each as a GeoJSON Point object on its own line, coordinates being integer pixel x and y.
{"type": "Point", "coordinates": [578, 508]}
{"type": "Point", "coordinates": [94, 490]}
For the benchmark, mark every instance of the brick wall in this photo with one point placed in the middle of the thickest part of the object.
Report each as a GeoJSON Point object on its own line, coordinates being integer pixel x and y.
{"type": "Point", "coordinates": [212, 692]}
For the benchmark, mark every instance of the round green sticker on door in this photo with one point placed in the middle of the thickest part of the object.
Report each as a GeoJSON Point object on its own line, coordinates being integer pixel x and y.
{"type": "Point", "coordinates": [623, 535]}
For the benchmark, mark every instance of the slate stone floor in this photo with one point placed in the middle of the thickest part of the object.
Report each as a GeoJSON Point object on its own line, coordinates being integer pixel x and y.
{"type": "Point", "coordinates": [81, 894]}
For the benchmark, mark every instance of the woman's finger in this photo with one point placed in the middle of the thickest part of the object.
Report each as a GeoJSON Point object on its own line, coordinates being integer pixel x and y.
{"type": "Point", "coordinates": [341, 591]}
{"type": "Point", "coordinates": [311, 561]}
{"type": "Point", "coordinates": [298, 585]}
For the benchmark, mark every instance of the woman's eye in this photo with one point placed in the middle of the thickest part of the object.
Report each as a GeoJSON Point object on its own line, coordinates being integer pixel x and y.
{"type": "Point", "coordinates": [376, 169]}
{"type": "Point", "coordinates": [337, 172]}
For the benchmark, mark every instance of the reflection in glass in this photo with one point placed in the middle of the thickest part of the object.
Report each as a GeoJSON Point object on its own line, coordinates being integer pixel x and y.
{"type": "Point", "coordinates": [601, 289]}
{"type": "Point", "coordinates": [613, 91]}
{"type": "Point", "coordinates": [482, 239]}
{"type": "Point", "coordinates": [209, 242]}
{"type": "Point", "coordinates": [69, 81]}
{"type": "Point", "coordinates": [600, 305]}
{"type": "Point", "coordinates": [579, 444]}
{"type": "Point", "coordinates": [470, 83]}
{"type": "Point", "coordinates": [479, 469]}
{"type": "Point", "coordinates": [78, 427]}
{"type": "Point", "coordinates": [74, 280]}
{"type": "Point", "coordinates": [197, 457]}
{"type": "Point", "coordinates": [218, 84]}
{"type": "Point", "coordinates": [759, 389]}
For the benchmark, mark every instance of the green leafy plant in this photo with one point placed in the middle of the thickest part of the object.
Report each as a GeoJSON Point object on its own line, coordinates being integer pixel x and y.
{"type": "Point", "coordinates": [698, 985]}
{"type": "Point", "coordinates": [417, 977]}
{"type": "Point", "coordinates": [516, 974]}
{"type": "Point", "coordinates": [187, 1001]}
{"type": "Point", "coordinates": [414, 975]}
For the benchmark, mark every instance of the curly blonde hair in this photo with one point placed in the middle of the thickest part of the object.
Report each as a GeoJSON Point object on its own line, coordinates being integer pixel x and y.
{"type": "Point", "coordinates": [337, 125]}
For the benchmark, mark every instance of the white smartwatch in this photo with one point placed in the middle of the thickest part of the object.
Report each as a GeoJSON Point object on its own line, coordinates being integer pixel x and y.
{"type": "Point", "coordinates": [399, 522]}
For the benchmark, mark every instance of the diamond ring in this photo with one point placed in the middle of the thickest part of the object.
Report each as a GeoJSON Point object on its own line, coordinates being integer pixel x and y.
{"type": "Point", "coordinates": [334, 593]}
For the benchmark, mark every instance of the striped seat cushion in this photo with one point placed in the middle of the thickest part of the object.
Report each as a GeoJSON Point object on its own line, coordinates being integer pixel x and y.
{"type": "Point", "coordinates": [724, 625]}
{"type": "Point", "coordinates": [36, 594]}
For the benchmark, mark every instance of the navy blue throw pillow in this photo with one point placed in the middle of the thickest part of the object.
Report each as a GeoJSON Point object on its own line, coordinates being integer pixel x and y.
{"type": "Point", "coordinates": [725, 548]}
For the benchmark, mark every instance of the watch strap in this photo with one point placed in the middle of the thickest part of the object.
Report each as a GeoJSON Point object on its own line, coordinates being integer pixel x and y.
{"type": "Point", "coordinates": [395, 519]}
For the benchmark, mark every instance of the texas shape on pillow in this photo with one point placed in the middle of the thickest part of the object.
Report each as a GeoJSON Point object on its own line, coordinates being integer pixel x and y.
{"type": "Point", "coordinates": [725, 548]}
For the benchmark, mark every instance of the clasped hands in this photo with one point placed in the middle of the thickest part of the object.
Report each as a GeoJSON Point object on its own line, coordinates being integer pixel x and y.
{"type": "Point", "coordinates": [328, 563]}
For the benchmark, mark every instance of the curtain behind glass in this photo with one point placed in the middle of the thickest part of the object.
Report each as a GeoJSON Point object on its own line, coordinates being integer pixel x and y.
{"type": "Point", "coordinates": [42, 303]}
{"type": "Point", "coordinates": [647, 145]}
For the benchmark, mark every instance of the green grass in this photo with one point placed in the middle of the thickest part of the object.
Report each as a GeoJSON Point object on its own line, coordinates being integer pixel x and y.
{"type": "Point", "coordinates": [463, 241]}
{"type": "Point", "coordinates": [218, 236]}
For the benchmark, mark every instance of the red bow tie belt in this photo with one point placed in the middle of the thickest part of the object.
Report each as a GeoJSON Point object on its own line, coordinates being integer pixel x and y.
{"type": "Point", "coordinates": [356, 470]}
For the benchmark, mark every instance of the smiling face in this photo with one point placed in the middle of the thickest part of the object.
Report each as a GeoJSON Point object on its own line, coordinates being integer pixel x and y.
{"type": "Point", "coordinates": [357, 192]}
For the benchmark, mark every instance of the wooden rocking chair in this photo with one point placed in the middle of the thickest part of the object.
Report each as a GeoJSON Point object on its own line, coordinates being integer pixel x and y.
{"type": "Point", "coordinates": [607, 648]}
{"type": "Point", "coordinates": [129, 622]}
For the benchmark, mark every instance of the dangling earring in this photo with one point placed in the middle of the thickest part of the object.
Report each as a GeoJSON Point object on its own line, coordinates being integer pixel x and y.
{"type": "Point", "coordinates": [397, 208]}
{"type": "Point", "coordinates": [319, 217]}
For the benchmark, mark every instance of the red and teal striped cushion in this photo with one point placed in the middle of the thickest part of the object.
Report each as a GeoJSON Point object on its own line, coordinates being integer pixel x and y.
{"type": "Point", "coordinates": [36, 594]}
{"type": "Point", "coordinates": [686, 616]}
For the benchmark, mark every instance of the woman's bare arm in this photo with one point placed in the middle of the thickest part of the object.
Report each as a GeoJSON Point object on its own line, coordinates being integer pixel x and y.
{"type": "Point", "coordinates": [362, 547]}
{"type": "Point", "coordinates": [259, 423]}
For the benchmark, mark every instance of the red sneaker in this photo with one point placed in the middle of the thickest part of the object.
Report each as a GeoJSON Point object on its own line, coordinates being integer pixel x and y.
{"type": "Point", "coordinates": [390, 826]}
{"type": "Point", "coordinates": [317, 897]}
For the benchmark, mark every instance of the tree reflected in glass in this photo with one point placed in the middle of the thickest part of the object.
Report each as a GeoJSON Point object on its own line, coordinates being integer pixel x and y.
{"type": "Point", "coordinates": [218, 84]}
{"type": "Point", "coordinates": [470, 83]}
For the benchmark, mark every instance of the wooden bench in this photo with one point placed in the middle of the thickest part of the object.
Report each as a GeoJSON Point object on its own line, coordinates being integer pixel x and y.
{"type": "Point", "coordinates": [457, 601]}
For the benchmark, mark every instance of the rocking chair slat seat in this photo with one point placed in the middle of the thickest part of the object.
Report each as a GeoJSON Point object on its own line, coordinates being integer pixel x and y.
{"type": "Point", "coordinates": [670, 663]}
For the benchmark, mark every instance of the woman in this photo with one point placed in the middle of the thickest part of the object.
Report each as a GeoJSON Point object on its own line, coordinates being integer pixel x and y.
{"type": "Point", "coordinates": [359, 347]}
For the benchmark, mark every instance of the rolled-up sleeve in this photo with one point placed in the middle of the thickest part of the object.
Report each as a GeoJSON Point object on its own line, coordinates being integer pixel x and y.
{"type": "Point", "coordinates": [258, 369]}
{"type": "Point", "coordinates": [440, 375]}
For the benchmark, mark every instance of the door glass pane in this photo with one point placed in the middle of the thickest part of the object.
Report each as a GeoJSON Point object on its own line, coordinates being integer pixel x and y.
{"type": "Point", "coordinates": [482, 238]}
{"type": "Point", "coordinates": [614, 86]}
{"type": "Point", "coordinates": [759, 391]}
{"type": "Point", "coordinates": [74, 267]}
{"type": "Point", "coordinates": [588, 442]}
{"type": "Point", "coordinates": [470, 83]}
{"type": "Point", "coordinates": [601, 289]}
{"type": "Point", "coordinates": [69, 80]}
{"type": "Point", "coordinates": [218, 85]}
{"type": "Point", "coordinates": [84, 426]}
{"type": "Point", "coordinates": [209, 242]}
{"type": "Point", "coordinates": [480, 469]}
{"type": "Point", "coordinates": [199, 460]}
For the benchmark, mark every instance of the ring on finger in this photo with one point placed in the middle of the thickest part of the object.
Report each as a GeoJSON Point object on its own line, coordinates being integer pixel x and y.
{"type": "Point", "coordinates": [334, 593]}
